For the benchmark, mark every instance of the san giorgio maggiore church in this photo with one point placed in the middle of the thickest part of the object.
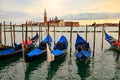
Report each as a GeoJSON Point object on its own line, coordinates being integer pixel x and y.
{"type": "Point", "coordinates": [53, 22]}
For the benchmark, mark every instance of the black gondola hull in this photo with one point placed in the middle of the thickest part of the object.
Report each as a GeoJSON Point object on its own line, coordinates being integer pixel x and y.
{"type": "Point", "coordinates": [19, 51]}
{"type": "Point", "coordinates": [58, 57]}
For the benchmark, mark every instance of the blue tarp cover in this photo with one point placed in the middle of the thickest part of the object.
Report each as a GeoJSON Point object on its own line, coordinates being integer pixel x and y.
{"type": "Point", "coordinates": [86, 53]}
{"type": "Point", "coordinates": [35, 52]}
{"type": "Point", "coordinates": [48, 39]}
{"type": "Point", "coordinates": [80, 40]}
{"type": "Point", "coordinates": [62, 39]}
{"type": "Point", "coordinates": [57, 52]}
{"type": "Point", "coordinates": [107, 36]}
{"type": "Point", "coordinates": [7, 51]}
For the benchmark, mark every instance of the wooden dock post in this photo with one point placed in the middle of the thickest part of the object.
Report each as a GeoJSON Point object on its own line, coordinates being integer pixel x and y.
{"type": "Point", "coordinates": [54, 35]}
{"type": "Point", "coordinates": [102, 36]}
{"type": "Point", "coordinates": [118, 35]}
{"type": "Point", "coordinates": [0, 33]}
{"type": "Point", "coordinates": [119, 32]}
{"type": "Point", "coordinates": [71, 37]}
{"type": "Point", "coordinates": [22, 32]}
{"type": "Point", "coordinates": [31, 30]}
{"type": "Point", "coordinates": [23, 45]}
{"type": "Point", "coordinates": [94, 38]}
{"type": "Point", "coordinates": [26, 38]}
{"type": "Point", "coordinates": [48, 27]}
{"type": "Point", "coordinates": [11, 34]}
{"type": "Point", "coordinates": [4, 33]}
{"type": "Point", "coordinates": [14, 33]}
{"type": "Point", "coordinates": [23, 51]}
{"type": "Point", "coordinates": [86, 32]}
{"type": "Point", "coordinates": [39, 33]}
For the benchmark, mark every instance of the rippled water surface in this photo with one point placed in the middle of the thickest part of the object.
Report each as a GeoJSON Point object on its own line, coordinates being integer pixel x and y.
{"type": "Point", "coordinates": [104, 66]}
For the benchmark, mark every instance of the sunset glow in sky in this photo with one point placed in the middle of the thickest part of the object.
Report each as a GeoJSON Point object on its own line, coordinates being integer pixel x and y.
{"type": "Point", "coordinates": [33, 9]}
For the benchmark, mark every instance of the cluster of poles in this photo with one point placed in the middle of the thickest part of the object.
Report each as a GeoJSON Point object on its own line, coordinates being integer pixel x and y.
{"type": "Point", "coordinates": [12, 29]}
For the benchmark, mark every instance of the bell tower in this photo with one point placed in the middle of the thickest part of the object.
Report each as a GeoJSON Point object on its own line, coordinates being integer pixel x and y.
{"type": "Point", "coordinates": [45, 17]}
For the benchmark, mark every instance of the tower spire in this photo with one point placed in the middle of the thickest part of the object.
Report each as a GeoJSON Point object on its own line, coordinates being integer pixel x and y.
{"type": "Point", "coordinates": [45, 13]}
{"type": "Point", "coordinates": [45, 17]}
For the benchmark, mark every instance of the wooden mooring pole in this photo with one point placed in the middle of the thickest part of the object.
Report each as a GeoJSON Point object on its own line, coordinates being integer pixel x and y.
{"type": "Point", "coordinates": [119, 35]}
{"type": "Point", "coordinates": [22, 32]}
{"type": "Point", "coordinates": [23, 45]}
{"type": "Point", "coordinates": [54, 35]}
{"type": "Point", "coordinates": [86, 32]}
{"type": "Point", "coordinates": [14, 33]}
{"type": "Point", "coordinates": [94, 39]}
{"type": "Point", "coordinates": [71, 37]}
{"type": "Point", "coordinates": [26, 38]}
{"type": "Point", "coordinates": [39, 33]}
{"type": "Point", "coordinates": [119, 32]}
{"type": "Point", "coordinates": [102, 36]}
{"type": "Point", "coordinates": [11, 34]}
{"type": "Point", "coordinates": [48, 27]}
{"type": "Point", "coordinates": [0, 33]}
{"type": "Point", "coordinates": [31, 30]}
{"type": "Point", "coordinates": [4, 33]}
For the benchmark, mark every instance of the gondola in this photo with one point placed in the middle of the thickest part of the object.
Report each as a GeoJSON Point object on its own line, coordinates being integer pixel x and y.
{"type": "Point", "coordinates": [17, 49]}
{"type": "Point", "coordinates": [83, 51]}
{"type": "Point", "coordinates": [112, 41]}
{"type": "Point", "coordinates": [59, 51]}
{"type": "Point", "coordinates": [40, 51]}
{"type": "Point", "coordinates": [3, 47]}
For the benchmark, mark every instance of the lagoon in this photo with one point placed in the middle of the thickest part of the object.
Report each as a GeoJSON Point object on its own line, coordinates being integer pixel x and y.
{"type": "Point", "coordinates": [104, 66]}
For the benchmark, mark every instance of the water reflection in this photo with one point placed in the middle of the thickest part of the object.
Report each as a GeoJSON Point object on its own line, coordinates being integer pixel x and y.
{"type": "Point", "coordinates": [31, 66]}
{"type": "Point", "coordinates": [7, 62]}
{"type": "Point", "coordinates": [83, 69]}
{"type": "Point", "coordinates": [117, 67]}
{"type": "Point", "coordinates": [53, 67]}
{"type": "Point", "coordinates": [116, 55]}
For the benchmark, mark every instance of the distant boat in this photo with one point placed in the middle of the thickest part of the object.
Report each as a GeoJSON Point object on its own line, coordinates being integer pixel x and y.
{"type": "Point", "coordinates": [59, 51]}
{"type": "Point", "coordinates": [40, 51]}
{"type": "Point", "coordinates": [83, 51]}
{"type": "Point", "coordinates": [112, 41]}
{"type": "Point", "coordinates": [14, 51]}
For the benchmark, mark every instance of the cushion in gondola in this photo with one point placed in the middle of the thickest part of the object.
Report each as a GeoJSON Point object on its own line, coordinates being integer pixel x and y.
{"type": "Point", "coordinates": [42, 45]}
{"type": "Point", "coordinates": [18, 46]}
{"type": "Point", "coordinates": [61, 45]}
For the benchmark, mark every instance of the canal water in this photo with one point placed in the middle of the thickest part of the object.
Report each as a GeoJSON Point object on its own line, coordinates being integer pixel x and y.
{"type": "Point", "coordinates": [104, 66]}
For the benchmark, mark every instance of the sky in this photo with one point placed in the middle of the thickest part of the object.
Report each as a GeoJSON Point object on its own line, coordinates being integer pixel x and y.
{"type": "Point", "coordinates": [22, 10]}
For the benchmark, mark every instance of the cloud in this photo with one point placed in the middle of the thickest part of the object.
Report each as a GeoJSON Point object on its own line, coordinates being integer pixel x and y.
{"type": "Point", "coordinates": [14, 16]}
{"type": "Point", "coordinates": [22, 10]}
{"type": "Point", "coordinates": [8, 14]}
{"type": "Point", "coordinates": [92, 16]}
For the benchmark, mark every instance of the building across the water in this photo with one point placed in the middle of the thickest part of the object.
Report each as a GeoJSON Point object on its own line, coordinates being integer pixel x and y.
{"type": "Point", "coordinates": [70, 23]}
{"type": "Point", "coordinates": [55, 22]}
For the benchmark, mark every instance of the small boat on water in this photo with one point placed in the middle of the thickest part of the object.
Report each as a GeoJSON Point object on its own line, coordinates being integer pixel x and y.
{"type": "Point", "coordinates": [59, 51]}
{"type": "Point", "coordinates": [83, 51]}
{"type": "Point", "coordinates": [40, 51]}
{"type": "Point", "coordinates": [112, 41]}
{"type": "Point", "coordinates": [14, 51]}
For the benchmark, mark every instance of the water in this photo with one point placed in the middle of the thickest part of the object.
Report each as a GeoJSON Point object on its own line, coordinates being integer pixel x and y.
{"type": "Point", "coordinates": [104, 66]}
